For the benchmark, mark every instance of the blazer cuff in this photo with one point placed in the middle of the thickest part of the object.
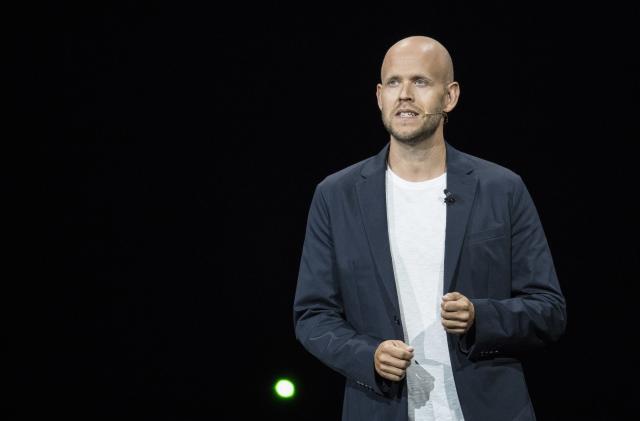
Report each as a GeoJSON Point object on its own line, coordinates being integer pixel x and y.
{"type": "Point", "coordinates": [385, 387]}
{"type": "Point", "coordinates": [480, 341]}
{"type": "Point", "coordinates": [373, 382]}
{"type": "Point", "coordinates": [467, 341]}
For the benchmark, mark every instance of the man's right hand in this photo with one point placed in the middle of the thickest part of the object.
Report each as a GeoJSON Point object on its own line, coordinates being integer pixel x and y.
{"type": "Point", "coordinates": [392, 358]}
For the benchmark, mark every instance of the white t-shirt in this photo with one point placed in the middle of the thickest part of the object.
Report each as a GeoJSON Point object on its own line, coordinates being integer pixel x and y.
{"type": "Point", "coordinates": [416, 214]}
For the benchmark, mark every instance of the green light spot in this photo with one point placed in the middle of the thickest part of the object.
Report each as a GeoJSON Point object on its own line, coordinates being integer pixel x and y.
{"type": "Point", "coordinates": [285, 389]}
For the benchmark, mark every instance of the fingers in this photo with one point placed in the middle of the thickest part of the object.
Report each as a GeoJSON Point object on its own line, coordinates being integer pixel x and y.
{"type": "Point", "coordinates": [392, 359]}
{"type": "Point", "coordinates": [452, 296]}
{"type": "Point", "coordinates": [394, 371]}
{"type": "Point", "coordinates": [390, 372]}
{"type": "Point", "coordinates": [386, 359]}
{"type": "Point", "coordinates": [461, 316]}
{"type": "Point", "coordinates": [460, 310]}
{"type": "Point", "coordinates": [454, 326]}
{"type": "Point", "coordinates": [398, 351]}
{"type": "Point", "coordinates": [400, 344]}
{"type": "Point", "coordinates": [457, 313]}
{"type": "Point", "coordinates": [461, 305]}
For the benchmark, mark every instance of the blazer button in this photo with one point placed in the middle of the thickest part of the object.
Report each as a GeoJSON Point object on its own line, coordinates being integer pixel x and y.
{"type": "Point", "coordinates": [396, 320]}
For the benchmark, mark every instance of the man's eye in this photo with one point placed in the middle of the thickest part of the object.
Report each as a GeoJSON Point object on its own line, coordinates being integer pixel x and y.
{"type": "Point", "coordinates": [392, 83]}
{"type": "Point", "coordinates": [421, 82]}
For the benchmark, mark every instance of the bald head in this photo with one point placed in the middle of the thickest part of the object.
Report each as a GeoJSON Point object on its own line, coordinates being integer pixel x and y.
{"type": "Point", "coordinates": [417, 90]}
{"type": "Point", "coordinates": [424, 49]}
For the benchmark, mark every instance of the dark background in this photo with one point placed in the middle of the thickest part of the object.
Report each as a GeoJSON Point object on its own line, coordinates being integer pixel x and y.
{"type": "Point", "coordinates": [159, 179]}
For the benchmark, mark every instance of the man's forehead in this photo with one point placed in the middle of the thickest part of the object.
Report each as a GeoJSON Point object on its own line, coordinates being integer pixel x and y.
{"type": "Point", "coordinates": [409, 65]}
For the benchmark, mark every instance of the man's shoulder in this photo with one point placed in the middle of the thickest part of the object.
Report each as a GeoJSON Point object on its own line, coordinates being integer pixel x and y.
{"type": "Point", "coordinates": [345, 177]}
{"type": "Point", "coordinates": [490, 170]}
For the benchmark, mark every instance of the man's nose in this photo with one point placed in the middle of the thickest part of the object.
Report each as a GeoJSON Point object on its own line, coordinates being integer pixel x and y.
{"type": "Point", "coordinates": [406, 94]}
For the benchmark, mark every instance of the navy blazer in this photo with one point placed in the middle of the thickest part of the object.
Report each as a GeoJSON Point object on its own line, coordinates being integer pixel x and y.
{"type": "Point", "coordinates": [496, 254]}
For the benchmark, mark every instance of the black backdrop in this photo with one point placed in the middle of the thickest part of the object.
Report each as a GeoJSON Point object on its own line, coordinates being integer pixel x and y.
{"type": "Point", "coordinates": [170, 156]}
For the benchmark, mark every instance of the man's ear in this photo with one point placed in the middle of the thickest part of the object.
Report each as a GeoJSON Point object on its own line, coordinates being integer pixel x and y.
{"type": "Point", "coordinates": [453, 93]}
{"type": "Point", "coordinates": [378, 95]}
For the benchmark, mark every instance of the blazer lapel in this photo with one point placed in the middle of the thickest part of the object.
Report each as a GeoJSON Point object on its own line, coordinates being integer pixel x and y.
{"type": "Point", "coordinates": [373, 207]}
{"type": "Point", "coordinates": [461, 182]}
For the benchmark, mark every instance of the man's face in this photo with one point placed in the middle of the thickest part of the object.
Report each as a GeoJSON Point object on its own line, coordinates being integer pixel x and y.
{"type": "Point", "coordinates": [410, 88]}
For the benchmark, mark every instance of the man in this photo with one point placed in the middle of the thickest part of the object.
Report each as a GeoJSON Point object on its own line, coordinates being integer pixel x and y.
{"type": "Point", "coordinates": [425, 271]}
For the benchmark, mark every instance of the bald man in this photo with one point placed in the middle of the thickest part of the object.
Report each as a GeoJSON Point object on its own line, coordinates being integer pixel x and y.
{"type": "Point", "coordinates": [425, 271]}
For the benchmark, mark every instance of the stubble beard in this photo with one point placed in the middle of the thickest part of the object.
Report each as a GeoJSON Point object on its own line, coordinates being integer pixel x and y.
{"type": "Point", "coordinates": [414, 137]}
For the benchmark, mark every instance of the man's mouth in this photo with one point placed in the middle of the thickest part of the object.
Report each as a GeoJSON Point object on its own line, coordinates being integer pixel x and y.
{"type": "Point", "coordinates": [406, 114]}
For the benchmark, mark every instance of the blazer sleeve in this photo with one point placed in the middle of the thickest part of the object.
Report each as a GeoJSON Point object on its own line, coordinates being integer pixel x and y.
{"type": "Point", "coordinates": [536, 312]}
{"type": "Point", "coordinates": [318, 311]}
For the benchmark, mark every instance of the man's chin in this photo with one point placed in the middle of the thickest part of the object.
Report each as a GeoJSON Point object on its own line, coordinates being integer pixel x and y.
{"type": "Point", "coordinates": [409, 138]}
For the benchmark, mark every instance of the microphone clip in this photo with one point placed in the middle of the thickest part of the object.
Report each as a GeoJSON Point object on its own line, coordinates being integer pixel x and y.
{"type": "Point", "coordinates": [448, 197]}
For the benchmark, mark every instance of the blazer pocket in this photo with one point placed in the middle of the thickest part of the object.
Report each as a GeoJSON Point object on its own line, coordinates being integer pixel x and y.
{"type": "Point", "coordinates": [484, 235]}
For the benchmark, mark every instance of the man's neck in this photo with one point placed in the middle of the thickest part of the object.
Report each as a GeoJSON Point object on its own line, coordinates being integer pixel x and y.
{"type": "Point", "coordinates": [420, 162]}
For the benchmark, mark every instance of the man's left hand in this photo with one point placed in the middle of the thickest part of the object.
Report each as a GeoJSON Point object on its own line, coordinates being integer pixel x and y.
{"type": "Point", "coordinates": [457, 313]}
